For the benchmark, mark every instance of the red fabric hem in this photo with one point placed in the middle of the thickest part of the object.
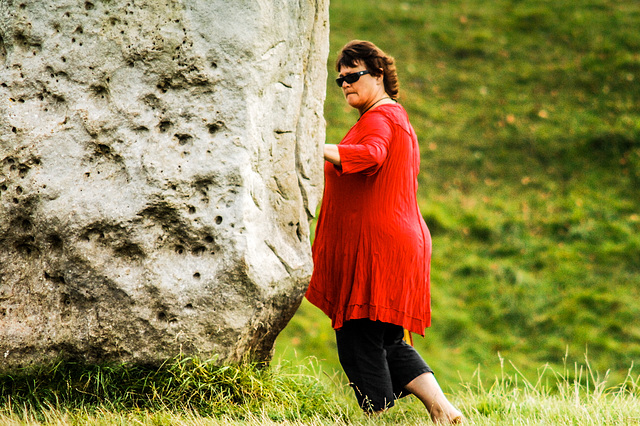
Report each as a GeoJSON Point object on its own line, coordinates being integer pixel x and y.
{"type": "Point", "coordinates": [374, 313]}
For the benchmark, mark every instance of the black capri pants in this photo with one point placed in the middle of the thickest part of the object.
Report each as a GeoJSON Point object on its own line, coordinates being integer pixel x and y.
{"type": "Point", "coordinates": [378, 362]}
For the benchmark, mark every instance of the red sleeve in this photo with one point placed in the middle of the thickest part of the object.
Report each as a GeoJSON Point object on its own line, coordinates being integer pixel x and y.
{"type": "Point", "coordinates": [367, 152]}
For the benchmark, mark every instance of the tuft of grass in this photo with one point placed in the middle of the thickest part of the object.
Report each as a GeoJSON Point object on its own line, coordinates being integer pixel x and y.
{"type": "Point", "coordinates": [576, 395]}
{"type": "Point", "coordinates": [182, 384]}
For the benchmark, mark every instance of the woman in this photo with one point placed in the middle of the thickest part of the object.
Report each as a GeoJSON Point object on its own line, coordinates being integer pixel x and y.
{"type": "Point", "coordinates": [372, 249]}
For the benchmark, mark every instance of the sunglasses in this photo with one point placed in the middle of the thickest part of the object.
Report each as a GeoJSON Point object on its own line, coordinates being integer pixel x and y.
{"type": "Point", "coordinates": [350, 78]}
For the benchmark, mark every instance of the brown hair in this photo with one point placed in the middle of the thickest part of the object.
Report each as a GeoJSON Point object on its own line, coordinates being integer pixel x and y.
{"type": "Point", "coordinates": [374, 59]}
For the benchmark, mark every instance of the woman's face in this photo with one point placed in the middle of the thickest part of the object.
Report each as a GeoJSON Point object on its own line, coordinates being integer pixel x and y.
{"type": "Point", "coordinates": [364, 92]}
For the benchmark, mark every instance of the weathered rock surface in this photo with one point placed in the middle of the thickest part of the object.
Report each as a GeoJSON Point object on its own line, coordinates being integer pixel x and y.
{"type": "Point", "coordinates": [159, 161]}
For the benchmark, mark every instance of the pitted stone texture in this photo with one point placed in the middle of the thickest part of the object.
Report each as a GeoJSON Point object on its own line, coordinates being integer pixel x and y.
{"type": "Point", "coordinates": [159, 163]}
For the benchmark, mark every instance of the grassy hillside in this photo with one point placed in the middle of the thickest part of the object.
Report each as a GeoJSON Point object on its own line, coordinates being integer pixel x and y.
{"type": "Point", "coordinates": [528, 115]}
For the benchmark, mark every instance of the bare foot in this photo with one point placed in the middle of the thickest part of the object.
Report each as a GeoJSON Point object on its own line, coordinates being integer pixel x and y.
{"type": "Point", "coordinates": [454, 417]}
{"type": "Point", "coordinates": [427, 389]}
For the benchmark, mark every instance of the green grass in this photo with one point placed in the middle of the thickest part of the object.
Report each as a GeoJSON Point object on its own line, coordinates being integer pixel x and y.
{"type": "Point", "coordinates": [183, 385]}
{"type": "Point", "coordinates": [188, 391]}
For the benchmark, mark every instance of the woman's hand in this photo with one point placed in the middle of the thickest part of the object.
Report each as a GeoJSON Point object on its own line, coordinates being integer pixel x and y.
{"type": "Point", "coordinates": [331, 154]}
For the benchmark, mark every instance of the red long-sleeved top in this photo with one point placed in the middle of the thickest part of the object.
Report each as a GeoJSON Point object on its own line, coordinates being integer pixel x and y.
{"type": "Point", "coordinates": [372, 248]}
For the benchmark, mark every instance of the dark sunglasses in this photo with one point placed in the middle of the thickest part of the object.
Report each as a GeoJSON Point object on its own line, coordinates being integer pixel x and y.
{"type": "Point", "coordinates": [350, 78]}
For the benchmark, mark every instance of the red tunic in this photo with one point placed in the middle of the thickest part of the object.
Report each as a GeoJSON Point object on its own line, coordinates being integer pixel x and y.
{"type": "Point", "coordinates": [372, 249]}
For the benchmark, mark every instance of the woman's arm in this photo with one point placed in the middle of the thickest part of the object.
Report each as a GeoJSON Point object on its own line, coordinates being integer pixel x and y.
{"type": "Point", "coordinates": [365, 147]}
{"type": "Point", "coordinates": [331, 154]}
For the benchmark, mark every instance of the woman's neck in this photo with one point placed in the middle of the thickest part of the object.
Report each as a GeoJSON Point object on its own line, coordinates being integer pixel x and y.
{"type": "Point", "coordinates": [383, 99]}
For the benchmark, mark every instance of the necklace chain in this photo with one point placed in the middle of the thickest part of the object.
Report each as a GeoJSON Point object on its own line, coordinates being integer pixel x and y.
{"type": "Point", "coordinates": [374, 104]}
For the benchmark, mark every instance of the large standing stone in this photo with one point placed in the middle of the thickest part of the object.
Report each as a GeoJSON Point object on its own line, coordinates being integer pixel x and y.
{"type": "Point", "coordinates": [159, 161]}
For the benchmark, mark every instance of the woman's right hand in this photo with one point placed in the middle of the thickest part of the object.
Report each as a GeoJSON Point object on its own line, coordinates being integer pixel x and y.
{"type": "Point", "coordinates": [332, 154]}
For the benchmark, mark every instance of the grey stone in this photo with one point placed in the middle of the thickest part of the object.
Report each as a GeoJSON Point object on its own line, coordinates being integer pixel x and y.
{"type": "Point", "coordinates": [159, 164]}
